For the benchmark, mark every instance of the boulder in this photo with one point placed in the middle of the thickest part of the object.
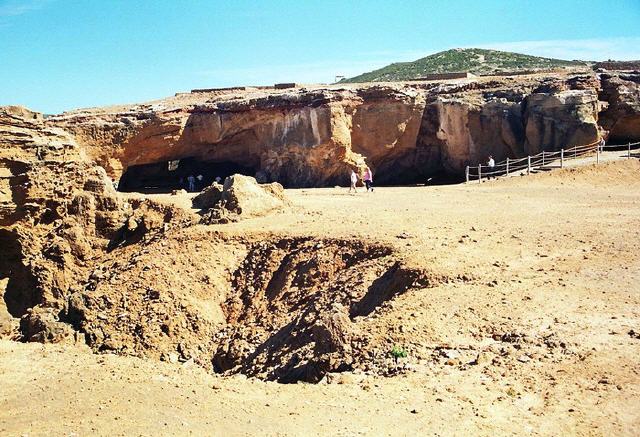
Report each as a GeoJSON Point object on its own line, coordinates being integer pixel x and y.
{"type": "Point", "coordinates": [240, 197]}
{"type": "Point", "coordinates": [42, 325]}
{"type": "Point", "coordinates": [333, 331]}
{"type": "Point", "coordinates": [209, 197]}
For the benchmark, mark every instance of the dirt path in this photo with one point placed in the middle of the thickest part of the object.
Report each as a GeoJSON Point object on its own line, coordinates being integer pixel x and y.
{"type": "Point", "coordinates": [533, 329]}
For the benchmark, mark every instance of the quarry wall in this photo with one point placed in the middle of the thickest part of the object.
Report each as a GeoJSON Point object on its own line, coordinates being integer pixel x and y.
{"type": "Point", "coordinates": [406, 133]}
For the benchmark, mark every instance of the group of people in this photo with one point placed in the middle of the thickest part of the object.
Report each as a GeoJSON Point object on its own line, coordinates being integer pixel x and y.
{"type": "Point", "coordinates": [367, 178]}
{"type": "Point", "coordinates": [196, 183]}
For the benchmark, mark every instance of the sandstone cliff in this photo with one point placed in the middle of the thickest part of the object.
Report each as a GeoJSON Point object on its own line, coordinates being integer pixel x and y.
{"type": "Point", "coordinates": [312, 136]}
{"type": "Point", "coordinates": [622, 115]}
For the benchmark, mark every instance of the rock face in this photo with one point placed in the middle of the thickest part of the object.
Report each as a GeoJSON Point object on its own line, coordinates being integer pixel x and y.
{"type": "Point", "coordinates": [58, 211]}
{"type": "Point", "coordinates": [622, 116]}
{"type": "Point", "coordinates": [314, 136]}
{"type": "Point", "coordinates": [460, 131]}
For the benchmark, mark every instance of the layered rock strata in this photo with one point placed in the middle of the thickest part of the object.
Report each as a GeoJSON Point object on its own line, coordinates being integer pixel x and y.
{"type": "Point", "coordinates": [313, 136]}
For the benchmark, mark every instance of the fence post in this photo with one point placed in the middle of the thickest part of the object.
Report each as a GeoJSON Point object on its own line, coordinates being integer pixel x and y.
{"type": "Point", "coordinates": [629, 149]}
{"type": "Point", "coordinates": [479, 173]}
{"type": "Point", "coordinates": [561, 158]}
{"type": "Point", "coordinates": [529, 164]}
{"type": "Point", "coordinates": [466, 174]}
{"type": "Point", "coordinates": [575, 151]}
{"type": "Point", "coordinates": [507, 166]}
{"type": "Point", "coordinates": [598, 154]}
{"type": "Point", "coordinates": [543, 158]}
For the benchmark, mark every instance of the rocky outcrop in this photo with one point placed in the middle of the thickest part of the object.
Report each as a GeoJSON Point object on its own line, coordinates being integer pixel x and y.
{"type": "Point", "coordinates": [562, 119]}
{"type": "Point", "coordinates": [81, 260]}
{"type": "Point", "coordinates": [312, 137]}
{"type": "Point", "coordinates": [621, 117]}
{"type": "Point", "coordinates": [58, 212]}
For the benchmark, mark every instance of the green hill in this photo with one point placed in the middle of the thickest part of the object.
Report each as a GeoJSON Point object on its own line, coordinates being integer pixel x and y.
{"type": "Point", "coordinates": [476, 61]}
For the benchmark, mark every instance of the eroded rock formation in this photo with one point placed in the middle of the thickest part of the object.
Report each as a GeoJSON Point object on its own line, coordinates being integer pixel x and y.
{"type": "Point", "coordinates": [312, 136]}
{"type": "Point", "coordinates": [622, 115]}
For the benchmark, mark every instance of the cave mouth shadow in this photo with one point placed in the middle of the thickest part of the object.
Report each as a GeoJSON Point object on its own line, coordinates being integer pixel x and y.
{"type": "Point", "coordinates": [166, 176]}
{"type": "Point", "coordinates": [21, 292]}
{"type": "Point", "coordinates": [434, 179]}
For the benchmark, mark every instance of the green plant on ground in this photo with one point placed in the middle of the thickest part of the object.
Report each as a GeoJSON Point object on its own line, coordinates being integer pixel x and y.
{"type": "Point", "coordinates": [398, 352]}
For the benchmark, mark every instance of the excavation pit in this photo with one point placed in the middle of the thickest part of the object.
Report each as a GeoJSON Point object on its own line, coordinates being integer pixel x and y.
{"type": "Point", "coordinates": [281, 309]}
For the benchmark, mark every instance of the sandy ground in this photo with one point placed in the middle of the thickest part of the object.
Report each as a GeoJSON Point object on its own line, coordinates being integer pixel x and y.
{"type": "Point", "coordinates": [548, 255]}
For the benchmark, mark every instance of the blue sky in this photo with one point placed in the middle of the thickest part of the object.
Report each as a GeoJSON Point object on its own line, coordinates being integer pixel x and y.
{"type": "Point", "coordinates": [58, 55]}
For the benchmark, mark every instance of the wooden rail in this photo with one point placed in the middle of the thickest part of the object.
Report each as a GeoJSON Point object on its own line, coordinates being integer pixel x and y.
{"type": "Point", "coordinates": [541, 160]}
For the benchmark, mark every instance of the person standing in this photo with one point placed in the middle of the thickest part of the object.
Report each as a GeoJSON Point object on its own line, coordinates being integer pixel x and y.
{"type": "Point", "coordinates": [354, 181]}
{"type": "Point", "coordinates": [491, 163]}
{"type": "Point", "coordinates": [368, 179]}
{"type": "Point", "coordinates": [191, 181]}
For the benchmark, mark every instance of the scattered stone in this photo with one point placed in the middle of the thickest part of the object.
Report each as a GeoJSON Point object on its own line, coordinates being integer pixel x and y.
{"type": "Point", "coordinates": [173, 357]}
{"type": "Point", "coordinates": [450, 353]}
{"type": "Point", "coordinates": [482, 358]}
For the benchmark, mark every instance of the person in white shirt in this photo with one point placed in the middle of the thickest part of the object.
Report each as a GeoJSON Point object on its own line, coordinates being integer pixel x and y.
{"type": "Point", "coordinates": [491, 164]}
{"type": "Point", "coordinates": [354, 181]}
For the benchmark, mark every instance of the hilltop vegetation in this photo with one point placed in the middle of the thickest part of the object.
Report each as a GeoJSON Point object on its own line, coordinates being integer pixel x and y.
{"type": "Point", "coordinates": [477, 61]}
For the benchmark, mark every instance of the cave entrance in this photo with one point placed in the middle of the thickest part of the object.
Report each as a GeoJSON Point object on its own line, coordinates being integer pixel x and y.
{"type": "Point", "coordinates": [166, 176]}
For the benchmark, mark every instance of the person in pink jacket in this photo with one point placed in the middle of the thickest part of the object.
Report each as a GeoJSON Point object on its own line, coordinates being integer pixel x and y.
{"type": "Point", "coordinates": [368, 179]}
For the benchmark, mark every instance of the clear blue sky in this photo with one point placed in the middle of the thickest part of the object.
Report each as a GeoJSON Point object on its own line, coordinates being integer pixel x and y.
{"type": "Point", "coordinates": [57, 55]}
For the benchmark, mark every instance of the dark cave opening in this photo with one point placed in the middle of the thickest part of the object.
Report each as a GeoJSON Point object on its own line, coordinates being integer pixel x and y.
{"type": "Point", "coordinates": [166, 176]}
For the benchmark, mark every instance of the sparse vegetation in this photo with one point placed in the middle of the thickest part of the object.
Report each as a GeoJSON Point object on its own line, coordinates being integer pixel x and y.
{"type": "Point", "coordinates": [398, 352]}
{"type": "Point", "coordinates": [477, 61]}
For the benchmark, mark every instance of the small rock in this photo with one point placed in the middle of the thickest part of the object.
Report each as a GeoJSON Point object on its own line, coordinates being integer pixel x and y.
{"type": "Point", "coordinates": [524, 358]}
{"type": "Point", "coordinates": [450, 353]}
{"type": "Point", "coordinates": [482, 358]}
{"type": "Point", "coordinates": [173, 357]}
{"type": "Point", "coordinates": [132, 224]}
